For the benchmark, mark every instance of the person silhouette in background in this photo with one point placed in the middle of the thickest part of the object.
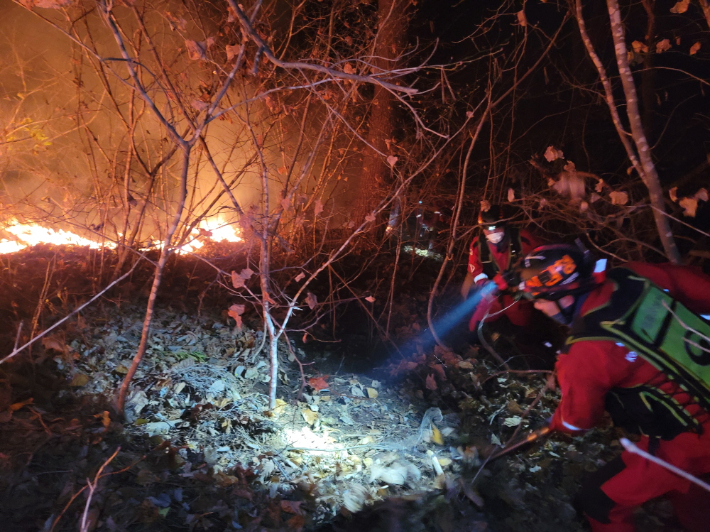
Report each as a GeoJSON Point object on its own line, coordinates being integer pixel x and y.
{"type": "Point", "coordinates": [495, 251]}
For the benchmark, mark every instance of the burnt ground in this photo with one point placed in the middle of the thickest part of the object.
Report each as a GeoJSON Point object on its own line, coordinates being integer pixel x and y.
{"type": "Point", "coordinates": [367, 437]}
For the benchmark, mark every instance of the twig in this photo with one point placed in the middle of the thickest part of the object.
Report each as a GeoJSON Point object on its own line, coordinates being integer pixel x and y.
{"type": "Point", "coordinates": [77, 310]}
{"type": "Point", "coordinates": [630, 447]}
{"type": "Point", "coordinates": [96, 479]}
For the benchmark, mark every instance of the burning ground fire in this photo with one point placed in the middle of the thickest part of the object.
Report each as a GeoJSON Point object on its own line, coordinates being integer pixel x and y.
{"type": "Point", "coordinates": [27, 235]}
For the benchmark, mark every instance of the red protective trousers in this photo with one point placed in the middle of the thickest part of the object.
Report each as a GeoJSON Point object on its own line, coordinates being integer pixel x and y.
{"type": "Point", "coordinates": [612, 493]}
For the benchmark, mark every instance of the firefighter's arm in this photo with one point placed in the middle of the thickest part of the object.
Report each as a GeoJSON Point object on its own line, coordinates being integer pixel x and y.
{"type": "Point", "coordinates": [474, 274]}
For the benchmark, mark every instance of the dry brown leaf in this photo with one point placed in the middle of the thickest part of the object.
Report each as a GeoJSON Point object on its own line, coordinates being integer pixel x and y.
{"type": "Point", "coordinates": [680, 7]}
{"type": "Point", "coordinates": [552, 154]}
{"type": "Point", "coordinates": [348, 69]}
{"type": "Point", "coordinates": [511, 195]}
{"type": "Point", "coordinates": [235, 312]}
{"type": "Point", "coordinates": [318, 207]}
{"type": "Point", "coordinates": [522, 19]}
{"type": "Point", "coordinates": [618, 197]}
{"type": "Point", "coordinates": [372, 393]}
{"type": "Point", "coordinates": [431, 382]}
{"type": "Point", "coordinates": [292, 507]}
{"type": "Point", "coordinates": [690, 206]}
{"type": "Point", "coordinates": [299, 277]}
{"type": "Point", "coordinates": [79, 380]}
{"type": "Point", "coordinates": [392, 160]}
{"type": "Point", "coordinates": [370, 218]}
{"type": "Point", "coordinates": [233, 51]}
{"type": "Point", "coordinates": [309, 416]}
{"type": "Point", "coordinates": [694, 49]}
{"type": "Point", "coordinates": [237, 280]}
{"type": "Point", "coordinates": [663, 46]}
{"type": "Point", "coordinates": [311, 300]}
{"type": "Point", "coordinates": [639, 47]}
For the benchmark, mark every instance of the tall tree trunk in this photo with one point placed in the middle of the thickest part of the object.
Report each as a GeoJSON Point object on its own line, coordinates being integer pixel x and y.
{"type": "Point", "coordinates": [389, 45]}
{"type": "Point", "coordinates": [642, 163]}
{"type": "Point", "coordinates": [648, 174]}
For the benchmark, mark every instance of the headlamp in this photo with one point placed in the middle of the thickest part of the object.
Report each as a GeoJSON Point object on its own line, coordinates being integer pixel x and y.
{"type": "Point", "coordinates": [491, 228]}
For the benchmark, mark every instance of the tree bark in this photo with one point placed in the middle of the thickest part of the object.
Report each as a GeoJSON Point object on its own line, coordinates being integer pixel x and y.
{"type": "Point", "coordinates": [649, 174]}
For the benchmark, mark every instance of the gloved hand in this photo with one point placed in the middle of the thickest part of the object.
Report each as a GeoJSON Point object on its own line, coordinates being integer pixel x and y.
{"type": "Point", "coordinates": [488, 304]}
{"type": "Point", "coordinates": [507, 280]}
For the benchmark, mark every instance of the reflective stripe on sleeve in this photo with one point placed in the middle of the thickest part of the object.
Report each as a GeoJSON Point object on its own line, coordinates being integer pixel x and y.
{"type": "Point", "coordinates": [571, 427]}
{"type": "Point", "coordinates": [479, 277]}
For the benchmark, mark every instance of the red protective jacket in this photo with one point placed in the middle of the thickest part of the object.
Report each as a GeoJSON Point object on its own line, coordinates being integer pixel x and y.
{"type": "Point", "coordinates": [519, 314]}
{"type": "Point", "coordinates": [590, 370]}
{"type": "Point", "coordinates": [593, 367]}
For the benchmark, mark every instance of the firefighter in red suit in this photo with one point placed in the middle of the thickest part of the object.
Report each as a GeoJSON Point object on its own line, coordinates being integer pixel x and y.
{"type": "Point", "coordinates": [633, 335]}
{"type": "Point", "coordinates": [498, 252]}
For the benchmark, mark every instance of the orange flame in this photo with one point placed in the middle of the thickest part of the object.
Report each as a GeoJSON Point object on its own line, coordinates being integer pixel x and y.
{"type": "Point", "coordinates": [216, 229]}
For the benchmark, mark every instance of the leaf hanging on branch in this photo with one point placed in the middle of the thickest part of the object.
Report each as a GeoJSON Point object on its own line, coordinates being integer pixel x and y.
{"type": "Point", "coordinates": [552, 154]}
{"type": "Point", "coordinates": [663, 46]}
{"type": "Point", "coordinates": [694, 49]}
{"type": "Point", "coordinates": [392, 160]}
{"type": "Point", "coordinates": [522, 19]}
{"type": "Point", "coordinates": [311, 300]}
{"type": "Point", "coordinates": [618, 197]}
{"type": "Point", "coordinates": [239, 278]}
{"type": "Point", "coordinates": [233, 51]}
{"type": "Point", "coordinates": [680, 7]}
{"type": "Point", "coordinates": [511, 195]}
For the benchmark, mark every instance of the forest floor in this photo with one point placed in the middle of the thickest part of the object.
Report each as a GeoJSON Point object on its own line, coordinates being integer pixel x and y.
{"type": "Point", "coordinates": [398, 443]}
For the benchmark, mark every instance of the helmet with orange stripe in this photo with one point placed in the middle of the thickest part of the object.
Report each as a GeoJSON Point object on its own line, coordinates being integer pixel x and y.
{"type": "Point", "coordinates": [554, 271]}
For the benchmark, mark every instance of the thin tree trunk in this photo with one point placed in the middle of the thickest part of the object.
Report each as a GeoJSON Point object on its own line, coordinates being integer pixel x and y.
{"type": "Point", "coordinates": [640, 166]}
{"type": "Point", "coordinates": [160, 267]}
{"type": "Point", "coordinates": [649, 174]}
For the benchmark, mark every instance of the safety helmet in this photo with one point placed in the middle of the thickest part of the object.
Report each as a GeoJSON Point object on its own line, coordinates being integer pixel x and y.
{"type": "Point", "coordinates": [554, 271]}
{"type": "Point", "coordinates": [491, 217]}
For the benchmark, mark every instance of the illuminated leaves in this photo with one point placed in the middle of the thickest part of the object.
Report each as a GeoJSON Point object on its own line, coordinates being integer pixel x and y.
{"type": "Point", "coordinates": [694, 49]}
{"type": "Point", "coordinates": [618, 197]}
{"type": "Point", "coordinates": [639, 47]}
{"type": "Point", "coordinates": [552, 154]}
{"type": "Point", "coordinates": [311, 300]}
{"type": "Point", "coordinates": [680, 7]}
{"type": "Point", "coordinates": [663, 46]}
{"type": "Point", "coordinates": [233, 51]}
{"type": "Point", "coordinates": [238, 279]}
{"type": "Point", "coordinates": [235, 312]}
{"type": "Point", "coordinates": [522, 19]}
{"type": "Point", "coordinates": [392, 160]}
{"type": "Point", "coordinates": [511, 195]}
{"type": "Point", "coordinates": [690, 204]}
{"type": "Point", "coordinates": [318, 207]}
